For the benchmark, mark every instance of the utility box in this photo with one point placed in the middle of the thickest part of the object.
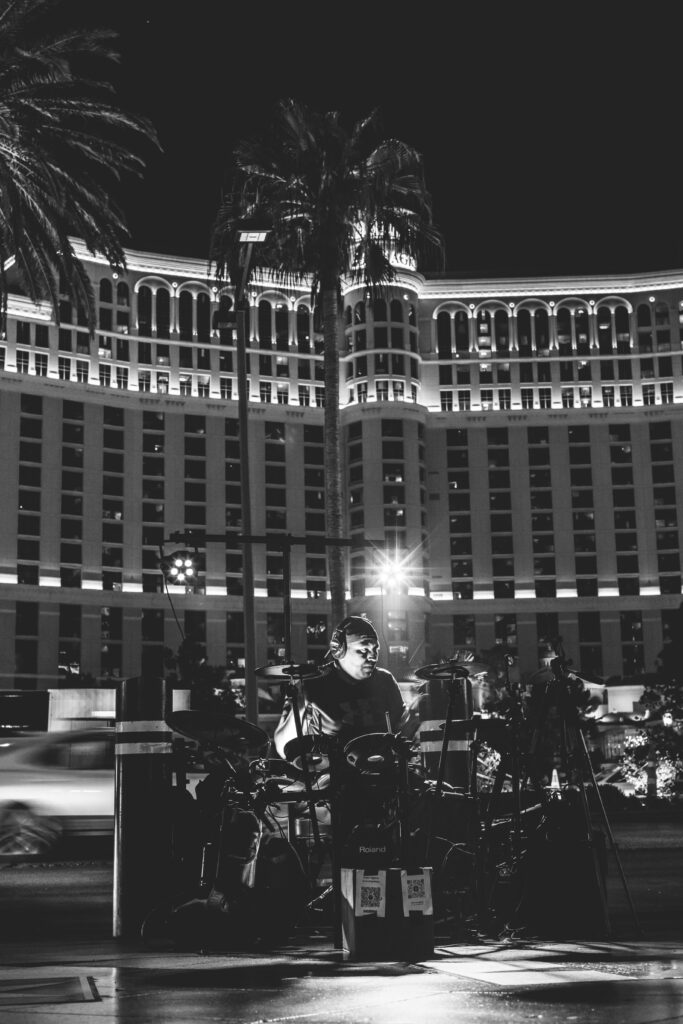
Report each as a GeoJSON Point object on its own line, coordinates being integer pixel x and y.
{"type": "Point", "coordinates": [387, 914]}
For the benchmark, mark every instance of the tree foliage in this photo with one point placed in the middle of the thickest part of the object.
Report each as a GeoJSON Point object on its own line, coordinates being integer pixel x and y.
{"type": "Point", "coordinates": [660, 745]}
{"type": "Point", "coordinates": [340, 203]}
{"type": "Point", "coordinates": [65, 146]}
{"type": "Point", "coordinates": [665, 694]}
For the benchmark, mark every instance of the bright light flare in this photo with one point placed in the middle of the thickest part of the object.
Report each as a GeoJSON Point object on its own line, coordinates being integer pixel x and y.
{"type": "Point", "coordinates": [392, 574]}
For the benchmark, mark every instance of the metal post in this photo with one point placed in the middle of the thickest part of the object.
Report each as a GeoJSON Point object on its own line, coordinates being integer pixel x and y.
{"type": "Point", "coordinates": [250, 688]}
{"type": "Point", "coordinates": [287, 595]}
{"type": "Point", "coordinates": [143, 807]}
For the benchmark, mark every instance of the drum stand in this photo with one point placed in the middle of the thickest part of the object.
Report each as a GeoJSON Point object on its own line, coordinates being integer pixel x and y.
{"type": "Point", "coordinates": [451, 672]}
{"type": "Point", "coordinates": [456, 675]}
{"type": "Point", "coordinates": [291, 690]}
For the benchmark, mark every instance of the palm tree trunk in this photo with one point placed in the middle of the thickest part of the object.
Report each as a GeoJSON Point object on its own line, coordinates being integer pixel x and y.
{"type": "Point", "coordinates": [333, 335]}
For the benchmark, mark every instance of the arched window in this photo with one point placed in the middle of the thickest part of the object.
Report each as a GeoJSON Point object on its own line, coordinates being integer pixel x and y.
{"type": "Point", "coordinates": [501, 330]}
{"type": "Point", "coordinates": [122, 294]}
{"type": "Point", "coordinates": [224, 321]}
{"type": "Point", "coordinates": [524, 332]}
{"type": "Point", "coordinates": [105, 290]}
{"type": "Point", "coordinates": [303, 328]}
{"type": "Point", "coordinates": [643, 316]}
{"type": "Point", "coordinates": [582, 330]}
{"type": "Point", "coordinates": [604, 321]}
{"type": "Point", "coordinates": [359, 313]}
{"type": "Point", "coordinates": [203, 316]}
{"type": "Point", "coordinates": [462, 331]}
{"type": "Point", "coordinates": [281, 327]}
{"type": "Point", "coordinates": [145, 311]}
{"type": "Point", "coordinates": [379, 309]}
{"type": "Point", "coordinates": [265, 327]}
{"type": "Point", "coordinates": [644, 320]}
{"type": "Point", "coordinates": [396, 309]}
{"type": "Point", "coordinates": [484, 332]}
{"type": "Point", "coordinates": [411, 315]}
{"type": "Point", "coordinates": [541, 330]}
{"type": "Point", "coordinates": [563, 328]}
{"type": "Point", "coordinates": [443, 335]}
{"type": "Point", "coordinates": [347, 316]}
{"type": "Point", "coordinates": [163, 313]}
{"type": "Point", "coordinates": [185, 316]}
{"type": "Point", "coordinates": [622, 320]}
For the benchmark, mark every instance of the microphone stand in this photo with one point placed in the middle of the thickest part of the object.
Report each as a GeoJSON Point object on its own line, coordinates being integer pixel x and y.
{"type": "Point", "coordinates": [516, 717]}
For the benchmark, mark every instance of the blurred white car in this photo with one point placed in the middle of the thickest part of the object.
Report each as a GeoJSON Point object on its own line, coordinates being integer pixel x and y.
{"type": "Point", "coordinates": [54, 784]}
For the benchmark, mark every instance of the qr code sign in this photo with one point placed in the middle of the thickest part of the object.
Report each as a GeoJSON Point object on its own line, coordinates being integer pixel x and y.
{"type": "Point", "coordinates": [370, 897]}
{"type": "Point", "coordinates": [416, 887]}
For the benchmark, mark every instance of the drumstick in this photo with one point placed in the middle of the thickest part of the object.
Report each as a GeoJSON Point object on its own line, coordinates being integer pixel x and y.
{"type": "Point", "coordinates": [387, 719]}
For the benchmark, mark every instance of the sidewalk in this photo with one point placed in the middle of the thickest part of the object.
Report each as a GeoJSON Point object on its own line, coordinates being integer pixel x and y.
{"type": "Point", "coordinates": [60, 965]}
{"type": "Point", "coordinates": [106, 981]}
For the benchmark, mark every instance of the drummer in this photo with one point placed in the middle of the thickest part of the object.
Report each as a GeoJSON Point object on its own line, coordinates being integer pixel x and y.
{"type": "Point", "coordinates": [351, 696]}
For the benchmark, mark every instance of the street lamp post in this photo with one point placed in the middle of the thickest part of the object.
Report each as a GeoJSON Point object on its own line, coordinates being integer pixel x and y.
{"type": "Point", "coordinates": [180, 567]}
{"type": "Point", "coordinates": [249, 238]}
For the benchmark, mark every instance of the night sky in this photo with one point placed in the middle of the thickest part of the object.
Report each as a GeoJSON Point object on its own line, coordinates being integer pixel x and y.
{"type": "Point", "coordinates": [550, 134]}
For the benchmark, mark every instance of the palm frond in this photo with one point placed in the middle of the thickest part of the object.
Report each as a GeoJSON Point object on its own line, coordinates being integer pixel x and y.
{"type": "Point", "coordinates": [64, 145]}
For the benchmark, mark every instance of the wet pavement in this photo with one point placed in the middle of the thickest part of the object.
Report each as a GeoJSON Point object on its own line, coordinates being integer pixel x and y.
{"type": "Point", "coordinates": [614, 983]}
{"type": "Point", "coordinates": [58, 963]}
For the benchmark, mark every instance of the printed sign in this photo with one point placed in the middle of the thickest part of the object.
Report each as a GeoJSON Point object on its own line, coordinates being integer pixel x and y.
{"type": "Point", "coordinates": [417, 892]}
{"type": "Point", "coordinates": [371, 893]}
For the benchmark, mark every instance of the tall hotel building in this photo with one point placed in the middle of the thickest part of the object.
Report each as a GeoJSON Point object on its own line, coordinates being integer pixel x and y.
{"type": "Point", "coordinates": [518, 444]}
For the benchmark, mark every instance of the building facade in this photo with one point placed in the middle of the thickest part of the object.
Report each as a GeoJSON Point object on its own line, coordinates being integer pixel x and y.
{"type": "Point", "coordinates": [514, 454]}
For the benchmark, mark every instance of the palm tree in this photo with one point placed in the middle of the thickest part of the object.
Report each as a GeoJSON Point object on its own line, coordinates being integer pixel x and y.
{"type": "Point", "coordinates": [64, 147]}
{"type": "Point", "coordinates": [338, 202]}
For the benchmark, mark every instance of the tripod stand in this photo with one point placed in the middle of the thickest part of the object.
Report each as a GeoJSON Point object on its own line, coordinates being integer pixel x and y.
{"type": "Point", "coordinates": [569, 828]}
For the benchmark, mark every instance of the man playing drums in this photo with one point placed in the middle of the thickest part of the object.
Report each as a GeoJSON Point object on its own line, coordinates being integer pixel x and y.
{"type": "Point", "coordinates": [351, 696]}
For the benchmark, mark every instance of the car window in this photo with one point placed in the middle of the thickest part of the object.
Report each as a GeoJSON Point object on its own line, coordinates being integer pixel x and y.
{"type": "Point", "coordinates": [81, 754]}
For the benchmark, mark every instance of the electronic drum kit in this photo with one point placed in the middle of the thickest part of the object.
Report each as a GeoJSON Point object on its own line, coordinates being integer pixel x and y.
{"type": "Point", "coordinates": [300, 790]}
{"type": "Point", "coordinates": [295, 795]}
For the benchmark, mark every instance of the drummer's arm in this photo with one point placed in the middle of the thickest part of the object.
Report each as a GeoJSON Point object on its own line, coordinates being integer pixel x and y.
{"type": "Point", "coordinates": [285, 730]}
{"type": "Point", "coordinates": [408, 723]}
{"type": "Point", "coordinates": [404, 719]}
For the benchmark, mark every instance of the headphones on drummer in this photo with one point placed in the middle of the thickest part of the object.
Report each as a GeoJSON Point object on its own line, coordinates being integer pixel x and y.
{"type": "Point", "coordinates": [351, 624]}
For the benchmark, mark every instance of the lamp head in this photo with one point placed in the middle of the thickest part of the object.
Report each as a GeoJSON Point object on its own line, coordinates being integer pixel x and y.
{"type": "Point", "coordinates": [252, 229]}
{"type": "Point", "coordinates": [180, 568]}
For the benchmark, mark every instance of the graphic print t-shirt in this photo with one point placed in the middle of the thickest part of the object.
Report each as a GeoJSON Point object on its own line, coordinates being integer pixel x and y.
{"type": "Point", "coordinates": [340, 706]}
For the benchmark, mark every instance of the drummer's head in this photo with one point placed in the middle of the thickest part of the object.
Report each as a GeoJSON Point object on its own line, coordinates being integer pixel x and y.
{"type": "Point", "coordinates": [354, 647]}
